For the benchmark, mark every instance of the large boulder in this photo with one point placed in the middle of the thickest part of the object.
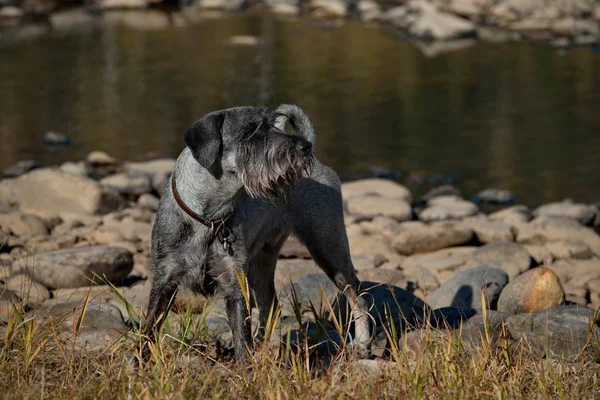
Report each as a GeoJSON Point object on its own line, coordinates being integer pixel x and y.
{"type": "Point", "coordinates": [422, 239]}
{"type": "Point", "coordinates": [510, 257]}
{"type": "Point", "coordinates": [544, 229]}
{"type": "Point", "coordinates": [78, 266]}
{"type": "Point", "coordinates": [49, 191]}
{"type": "Point", "coordinates": [560, 331]}
{"type": "Point", "coordinates": [376, 187]}
{"type": "Point", "coordinates": [464, 290]}
{"type": "Point", "coordinates": [582, 213]}
{"type": "Point", "coordinates": [424, 20]}
{"type": "Point", "coordinates": [535, 290]}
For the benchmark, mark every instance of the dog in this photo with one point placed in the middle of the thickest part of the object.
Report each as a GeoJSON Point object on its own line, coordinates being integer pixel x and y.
{"type": "Point", "coordinates": [240, 187]}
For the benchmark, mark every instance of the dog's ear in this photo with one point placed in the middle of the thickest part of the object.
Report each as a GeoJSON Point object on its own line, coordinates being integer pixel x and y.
{"type": "Point", "coordinates": [204, 138]}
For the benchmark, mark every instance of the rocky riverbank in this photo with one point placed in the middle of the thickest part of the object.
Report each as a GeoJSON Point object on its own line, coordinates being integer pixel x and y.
{"type": "Point", "coordinates": [562, 23]}
{"type": "Point", "coordinates": [437, 261]}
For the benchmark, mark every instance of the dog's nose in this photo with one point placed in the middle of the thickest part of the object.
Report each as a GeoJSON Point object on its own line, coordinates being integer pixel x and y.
{"type": "Point", "coordinates": [304, 146]}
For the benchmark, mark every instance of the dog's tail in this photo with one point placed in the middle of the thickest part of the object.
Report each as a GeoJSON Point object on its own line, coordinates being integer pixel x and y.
{"type": "Point", "coordinates": [297, 119]}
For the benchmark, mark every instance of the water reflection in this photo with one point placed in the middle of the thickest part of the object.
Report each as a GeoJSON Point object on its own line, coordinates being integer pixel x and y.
{"type": "Point", "coordinates": [515, 116]}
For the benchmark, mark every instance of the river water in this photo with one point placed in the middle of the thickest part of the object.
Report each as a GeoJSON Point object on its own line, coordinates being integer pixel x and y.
{"type": "Point", "coordinates": [514, 116]}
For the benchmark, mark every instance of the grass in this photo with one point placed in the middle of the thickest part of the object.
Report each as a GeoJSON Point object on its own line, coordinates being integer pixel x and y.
{"type": "Point", "coordinates": [39, 359]}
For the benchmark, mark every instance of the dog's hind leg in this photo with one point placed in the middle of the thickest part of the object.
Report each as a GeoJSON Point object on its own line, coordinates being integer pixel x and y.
{"type": "Point", "coordinates": [318, 221]}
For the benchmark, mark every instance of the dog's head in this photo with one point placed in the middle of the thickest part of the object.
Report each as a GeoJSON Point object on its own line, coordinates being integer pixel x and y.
{"type": "Point", "coordinates": [243, 144]}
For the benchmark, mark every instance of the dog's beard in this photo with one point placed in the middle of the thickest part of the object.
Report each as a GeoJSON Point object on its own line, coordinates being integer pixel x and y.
{"type": "Point", "coordinates": [274, 175]}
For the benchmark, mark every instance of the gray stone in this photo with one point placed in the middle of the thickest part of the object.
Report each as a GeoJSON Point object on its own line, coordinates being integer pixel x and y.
{"type": "Point", "coordinates": [21, 167]}
{"type": "Point", "coordinates": [23, 225]}
{"type": "Point", "coordinates": [444, 208]}
{"type": "Point", "coordinates": [561, 331]}
{"type": "Point", "coordinates": [569, 248]}
{"type": "Point", "coordinates": [315, 289]}
{"type": "Point", "coordinates": [576, 272]}
{"type": "Point", "coordinates": [544, 229]}
{"type": "Point", "coordinates": [429, 238]}
{"type": "Point", "coordinates": [464, 290]}
{"type": "Point", "coordinates": [439, 191]}
{"type": "Point", "coordinates": [134, 184]}
{"type": "Point", "coordinates": [582, 213]}
{"type": "Point", "coordinates": [48, 191]}
{"type": "Point", "coordinates": [488, 231]}
{"type": "Point", "coordinates": [100, 158]}
{"type": "Point", "coordinates": [376, 187]}
{"type": "Point", "coordinates": [510, 257]}
{"type": "Point", "coordinates": [495, 196]}
{"type": "Point", "coordinates": [75, 267]}
{"type": "Point", "coordinates": [369, 207]}
{"type": "Point", "coordinates": [148, 201]}
{"type": "Point", "coordinates": [514, 216]}
{"type": "Point", "coordinates": [31, 292]}
{"type": "Point", "coordinates": [157, 170]}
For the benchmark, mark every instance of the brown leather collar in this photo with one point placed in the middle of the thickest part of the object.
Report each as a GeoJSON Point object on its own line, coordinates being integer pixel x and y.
{"type": "Point", "coordinates": [217, 226]}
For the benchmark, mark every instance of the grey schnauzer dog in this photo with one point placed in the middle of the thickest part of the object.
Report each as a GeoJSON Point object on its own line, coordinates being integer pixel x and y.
{"type": "Point", "coordinates": [238, 190]}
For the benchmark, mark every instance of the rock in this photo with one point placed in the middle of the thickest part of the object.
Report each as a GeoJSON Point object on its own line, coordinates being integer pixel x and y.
{"type": "Point", "coordinates": [56, 139]}
{"type": "Point", "coordinates": [385, 276]}
{"type": "Point", "coordinates": [540, 254]}
{"type": "Point", "coordinates": [450, 259]}
{"type": "Point", "coordinates": [514, 216]}
{"type": "Point", "coordinates": [21, 167]}
{"type": "Point", "coordinates": [292, 248]}
{"type": "Point", "coordinates": [31, 292]}
{"type": "Point", "coordinates": [576, 272]}
{"type": "Point", "coordinates": [376, 187]}
{"type": "Point", "coordinates": [50, 191]}
{"type": "Point", "coordinates": [23, 225]}
{"type": "Point", "coordinates": [222, 5]}
{"type": "Point", "coordinates": [422, 19]}
{"type": "Point", "coordinates": [369, 207]}
{"type": "Point", "coordinates": [434, 237]}
{"type": "Point", "coordinates": [143, 20]}
{"type": "Point", "coordinates": [98, 316]}
{"type": "Point", "coordinates": [535, 290]}
{"type": "Point", "coordinates": [74, 168]}
{"type": "Point", "coordinates": [447, 207]}
{"type": "Point", "coordinates": [315, 289]}
{"type": "Point", "coordinates": [582, 213]}
{"type": "Point", "coordinates": [577, 294]}
{"type": "Point", "coordinates": [510, 257]}
{"type": "Point", "coordinates": [100, 158]}
{"type": "Point", "coordinates": [494, 196]}
{"type": "Point", "coordinates": [369, 10]}
{"type": "Point", "coordinates": [372, 368]}
{"type": "Point", "coordinates": [133, 184]}
{"type": "Point", "coordinates": [488, 231]}
{"type": "Point", "coordinates": [328, 9]}
{"type": "Point", "coordinates": [464, 290]}
{"type": "Point", "coordinates": [569, 26]}
{"type": "Point", "coordinates": [121, 4]}
{"type": "Point", "coordinates": [560, 331]}
{"type": "Point", "coordinates": [96, 340]}
{"type": "Point", "coordinates": [440, 191]}
{"type": "Point", "coordinates": [148, 201]}
{"type": "Point", "coordinates": [292, 270]}
{"type": "Point", "coordinates": [473, 331]}
{"type": "Point", "coordinates": [365, 244]}
{"type": "Point", "coordinates": [157, 170]}
{"type": "Point", "coordinates": [9, 12]}
{"type": "Point", "coordinates": [569, 248]}
{"type": "Point", "coordinates": [544, 229]}
{"type": "Point", "coordinates": [77, 267]}
{"type": "Point", "coordinates": [470, 9]}
{"type": "Point", "coordinates": [285, 9]}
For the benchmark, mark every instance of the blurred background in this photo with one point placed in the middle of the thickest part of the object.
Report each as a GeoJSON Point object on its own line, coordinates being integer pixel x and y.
{"type": "Point", "coordinates": [474, 93]}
